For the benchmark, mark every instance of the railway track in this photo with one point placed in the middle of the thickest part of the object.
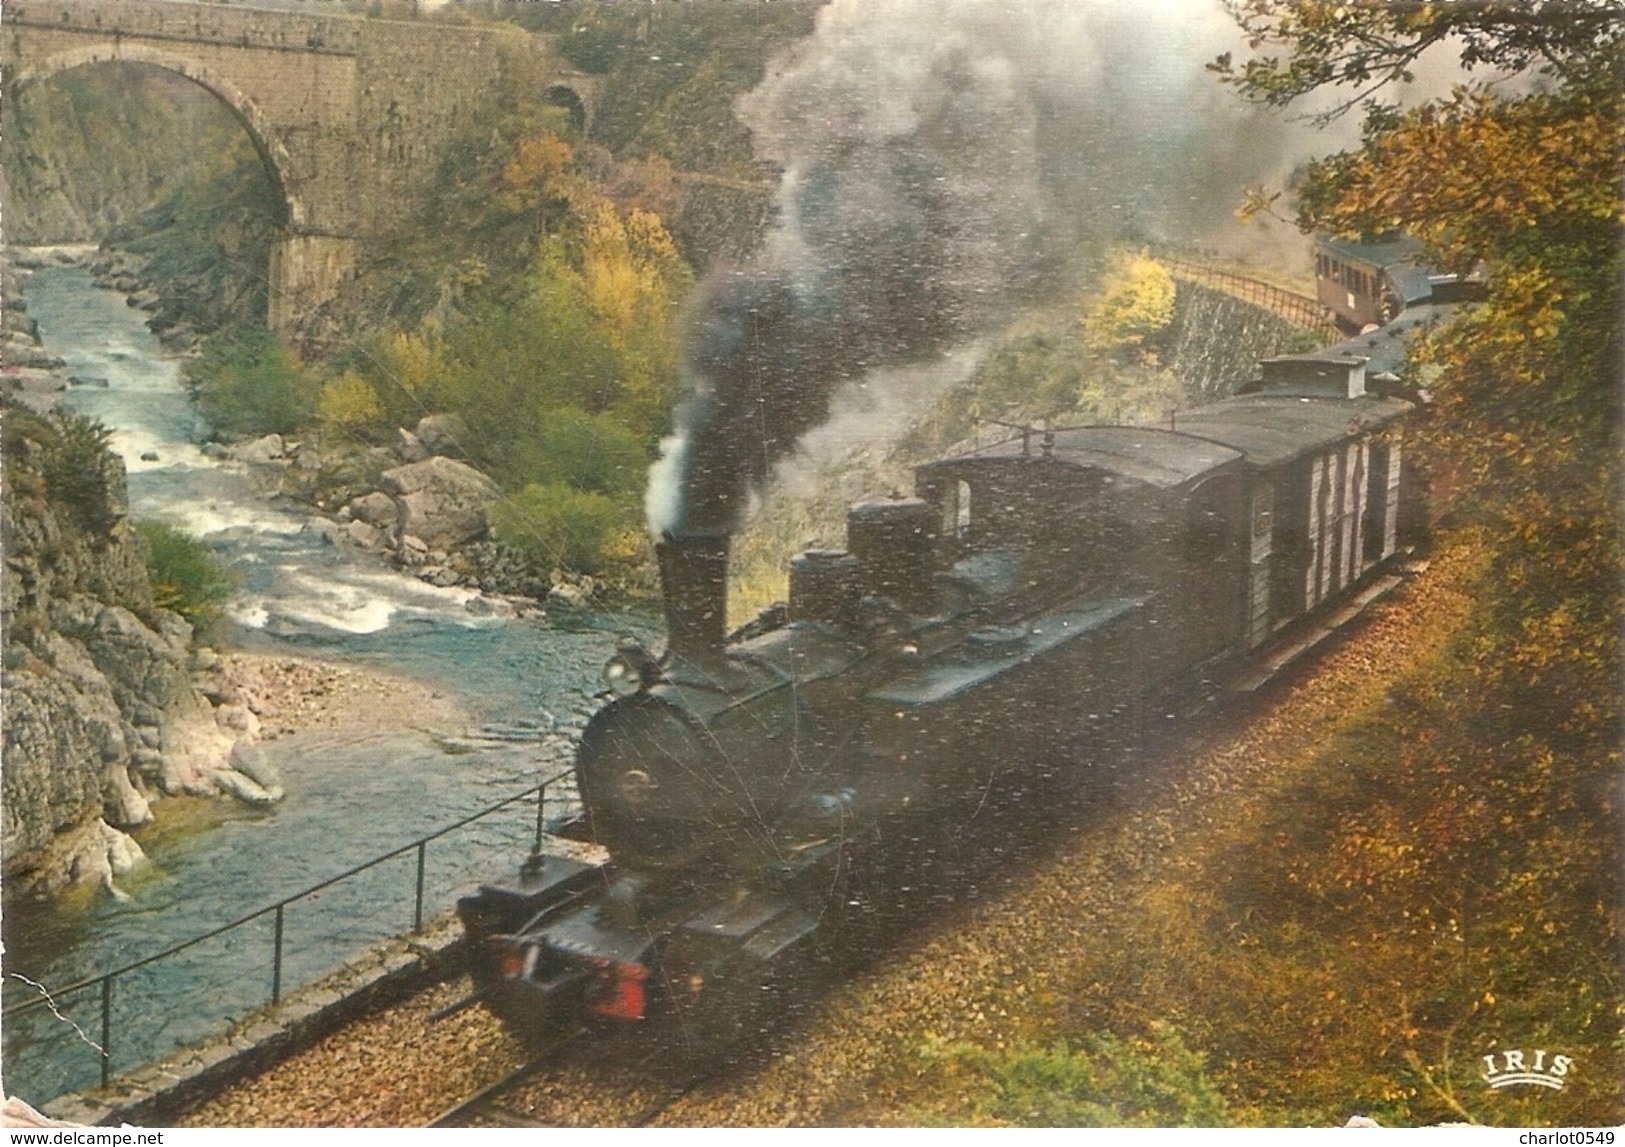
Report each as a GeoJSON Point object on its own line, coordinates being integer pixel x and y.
{"type": "Point", "coordinates": [483, 1104]}
{"type": "Point", "coordinates": [525, 1096]}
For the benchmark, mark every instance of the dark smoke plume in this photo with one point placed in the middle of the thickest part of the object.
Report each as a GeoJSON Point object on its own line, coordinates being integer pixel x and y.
{"type": "Point", "coordinates": [936, 153]}
{"type": "Point", "coordinates": [906, 219]}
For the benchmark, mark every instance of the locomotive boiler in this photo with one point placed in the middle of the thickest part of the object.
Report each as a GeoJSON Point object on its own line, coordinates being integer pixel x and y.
{"type": "Point", "coordinates": [980, 637]}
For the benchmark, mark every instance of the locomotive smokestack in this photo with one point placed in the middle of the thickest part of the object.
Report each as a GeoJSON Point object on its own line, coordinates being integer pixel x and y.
{"type": "Point", "coordinates": [694, 578]}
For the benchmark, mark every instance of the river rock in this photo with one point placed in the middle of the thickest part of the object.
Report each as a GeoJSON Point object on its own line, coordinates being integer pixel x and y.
{"type": "Point", "coordinates": [18, 322]}
{"type": "Point", "coordinates": [483, 606]}
{"type": "Point", "coordinates": [180, 336]}
{"type": "Point", "coordinates": [249, 758]}
{"type": "Point", "coordinates": [368, 537]}
{"type": "Point", "coordinates": [441, 434]}
{"type": "Point", "coordinates": [409, 447]}
{"type": "Point", "coordinates": [195, 748]}
{"type": "Point", "coordinates": [245, 789]}
{"type": "Point", "coordinates": [123, 805]}
{"type": "Point", "coordinates": [261, 450]}
{"type": "Point", "coordinates": [33, 358]}
{"type": "Point", "coordinates": [441, 501]}
{"type": "Point", "coordinates": [238, 719]}
{"type": "Point", "coordinates": [376, 509]}
{"type": "Point", "coordinates": [566, 594]}
{"type": "Point", "coordinates": [324, 528]}
{"type": "Point", "coordinates": [92, 851]}
{"type": "Point", "coordinates": [105, 852]}
{"type": "Point", "coordinates": [411, 552]}
{"type": "Point", "coordinates": [308, 455]}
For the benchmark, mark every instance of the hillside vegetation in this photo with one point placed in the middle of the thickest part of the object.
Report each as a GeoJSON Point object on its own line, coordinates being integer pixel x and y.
{"type": "Point", "coordinates": [1442, 880]}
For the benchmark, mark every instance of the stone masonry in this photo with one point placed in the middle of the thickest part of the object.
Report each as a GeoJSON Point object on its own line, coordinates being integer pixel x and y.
{"type": "Point", "coordinates": [350, 113]}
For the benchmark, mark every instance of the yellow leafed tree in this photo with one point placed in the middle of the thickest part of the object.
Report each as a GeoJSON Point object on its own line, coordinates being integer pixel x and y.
{"type": "Point", "coordinates": [349, 404]}
{"type": "Point", "coordinates": [1136, 302]}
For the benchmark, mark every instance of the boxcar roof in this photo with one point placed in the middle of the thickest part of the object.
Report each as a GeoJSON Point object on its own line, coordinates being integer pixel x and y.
{"type": "Point", "coordinates": [1386, 349]}
{"type": "Point", "coordinates": [1274, 428]}
{"type": "Point", "coordinates": [1159, 458]}
{"type": "Point", "coordinates": [1381, 253]}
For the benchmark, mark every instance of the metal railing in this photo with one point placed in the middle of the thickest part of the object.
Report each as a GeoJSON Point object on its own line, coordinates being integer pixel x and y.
{"type": "Point", "coordinates": [1299, 310]}
{"type": "Point", "coordinates": [104, 983]}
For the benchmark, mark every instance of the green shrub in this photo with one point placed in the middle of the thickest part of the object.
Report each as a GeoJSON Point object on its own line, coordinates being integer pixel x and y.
{"type": "Point", "coordinates": [1109, 1082]}
{"type": "Point", "coordinates": [247, 383]}
{"type": "Point", "coordinates": [186, 575]}
{"type": "Point", "coordinates": [350, 407]}
{"type": "Point", "coordinates": [595, 452]}
{"type": "Point", "coordinates": [557, 526]}
{"type": "Point", "coordinates": [75, 463]}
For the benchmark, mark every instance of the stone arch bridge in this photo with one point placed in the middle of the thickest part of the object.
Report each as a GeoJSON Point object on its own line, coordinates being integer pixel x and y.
{"type": "Point", "coordinates": [351, 114]}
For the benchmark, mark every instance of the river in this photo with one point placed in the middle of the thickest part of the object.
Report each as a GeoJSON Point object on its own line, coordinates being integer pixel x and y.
{"type": "Point", "coordinates": [212, 861]}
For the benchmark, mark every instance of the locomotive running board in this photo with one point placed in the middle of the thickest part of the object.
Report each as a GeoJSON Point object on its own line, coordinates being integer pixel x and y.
{"type": "Point", "coordinates": [1264, 665]}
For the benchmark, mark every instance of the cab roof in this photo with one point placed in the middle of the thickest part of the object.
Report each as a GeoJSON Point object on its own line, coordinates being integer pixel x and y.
{"type": "Point", "coordinates": [1159, 458]}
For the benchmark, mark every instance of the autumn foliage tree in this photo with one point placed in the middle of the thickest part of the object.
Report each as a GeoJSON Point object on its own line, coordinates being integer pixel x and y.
{"type": "Point", "coordinates": [561, 380]}
{"type": "Point", "coordinates": [1496, 821]}
{"type": "Point", "coordinates": [1136, 302]}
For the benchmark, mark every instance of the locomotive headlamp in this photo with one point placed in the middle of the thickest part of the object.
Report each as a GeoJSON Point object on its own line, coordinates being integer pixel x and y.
{"type": "Point", "coordinates": [621, 678]}
{"type": "Point", "coordinates": [630, 669]}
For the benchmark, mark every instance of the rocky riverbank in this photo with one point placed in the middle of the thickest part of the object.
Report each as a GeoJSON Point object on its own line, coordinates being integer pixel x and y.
{"type": "Point", "coordinates": [29, 375]}
{"type": "Point", "coordinates": [118, 270]}
{"type": "Point", "coordinates": [416, 502]}
{"type": "Point", "coordinates": [110, 704]}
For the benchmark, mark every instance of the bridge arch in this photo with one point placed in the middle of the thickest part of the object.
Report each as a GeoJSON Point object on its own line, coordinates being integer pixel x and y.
{"type": "Point", "coordinates": [264, 136]}
{"type": "Point", "coordinates": [565, 96]}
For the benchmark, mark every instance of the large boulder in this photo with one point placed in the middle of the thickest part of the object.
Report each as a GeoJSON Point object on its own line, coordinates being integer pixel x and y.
{"type": "Point", "coordinates": [366, 536]}
{"type": "Point", "coordinates": [441, 501]}
{"type": "Point", "coordinates": [408, 447]}
{"type": "Point", "coordinates": [441, 434]}
{"type": "Point", "coordinates": [376, 509]}
{"type": "Point", "coordinates": [270, 448]}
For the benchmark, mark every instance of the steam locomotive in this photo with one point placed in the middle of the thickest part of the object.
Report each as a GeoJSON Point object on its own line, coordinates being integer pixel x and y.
{"type": "Point", "coordinates": [1027, 598]}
